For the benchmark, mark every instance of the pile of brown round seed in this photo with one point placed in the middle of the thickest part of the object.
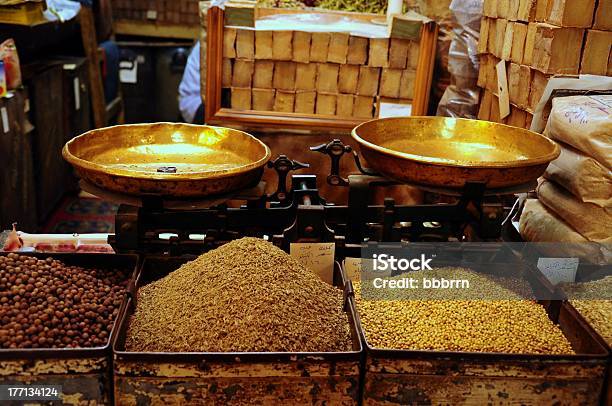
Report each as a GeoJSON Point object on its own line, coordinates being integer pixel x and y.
{"type": "Point", "coordinates": [47, 304]}
{"type": "Point", "coordinates": [488, 325]}
{"type": "Point", "coordinates": [590, 299]}
{"type": "Point", "coordinates": [245, 296]}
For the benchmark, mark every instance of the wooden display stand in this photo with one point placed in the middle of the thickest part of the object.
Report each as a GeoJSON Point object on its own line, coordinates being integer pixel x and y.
{"type": "Point", "coordinates": [319, 80]}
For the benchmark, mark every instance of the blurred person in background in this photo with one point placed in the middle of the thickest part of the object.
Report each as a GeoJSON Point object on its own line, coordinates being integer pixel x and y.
{"type": "Point", "coordinates": [190, 99]}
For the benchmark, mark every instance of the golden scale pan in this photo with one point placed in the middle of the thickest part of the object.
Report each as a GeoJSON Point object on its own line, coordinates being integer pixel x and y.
{"type": "Point", "coordinates": [189, 161]}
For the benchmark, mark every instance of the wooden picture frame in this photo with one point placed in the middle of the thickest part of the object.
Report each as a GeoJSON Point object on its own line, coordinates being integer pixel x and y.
{"type": "Point", "coordinates": [216, 114]}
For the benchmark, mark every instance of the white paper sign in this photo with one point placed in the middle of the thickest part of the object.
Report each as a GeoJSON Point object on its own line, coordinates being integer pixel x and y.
{"type": "Point", "coordinates": [394, 110]}
{"type": "Point", "coordinates": [559, 270]}
{"type": "Point", "coordinates": [502, 86]}
{"type": "Point", "coordinates": [318, 257]}
{"type": "Point", "coordinates": [352, 268]}
{"type": "Point", "coordinates": [128, 72]}
{"type": "Point", "coordinates": [77, 94]}
{"type": "Point", "coordinates": [5, 120]}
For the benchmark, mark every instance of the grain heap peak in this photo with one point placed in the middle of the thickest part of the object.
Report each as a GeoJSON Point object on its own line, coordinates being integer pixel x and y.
{"type": "Point", "coordinates": [245, 296]}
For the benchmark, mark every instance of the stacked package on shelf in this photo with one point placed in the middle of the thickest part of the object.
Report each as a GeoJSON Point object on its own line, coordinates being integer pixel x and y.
{"type": "Point", "coordinates": [575, 196]}
{"type": "Point", "coordinates": [539, 39]}
{"type": "Point", "coordinates": [162, 11]}
{"type": "Point", "coordinates": [328, 73]}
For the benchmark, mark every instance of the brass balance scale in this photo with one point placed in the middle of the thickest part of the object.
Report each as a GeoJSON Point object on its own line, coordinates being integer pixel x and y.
{"type": "Point", "coordinates": [176, 178]}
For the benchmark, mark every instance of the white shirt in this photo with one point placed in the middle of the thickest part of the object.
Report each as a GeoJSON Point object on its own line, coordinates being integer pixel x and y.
{"type": "Point", "coordinates": [190, 97]}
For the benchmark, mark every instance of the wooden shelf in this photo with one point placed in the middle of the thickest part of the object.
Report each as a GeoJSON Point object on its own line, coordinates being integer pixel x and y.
{"type": "Point", "coordinates": [156, 29]}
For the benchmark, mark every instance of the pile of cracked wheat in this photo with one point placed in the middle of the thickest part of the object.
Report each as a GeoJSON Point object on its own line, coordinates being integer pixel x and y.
{"type": "Point", "coordinates": [245, 296]}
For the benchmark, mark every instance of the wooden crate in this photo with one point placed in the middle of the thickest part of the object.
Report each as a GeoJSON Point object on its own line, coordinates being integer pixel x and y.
{"type": "Point", "coordinates": [233, 378]}
{"type": "Point", "coordinates": [335, 65]}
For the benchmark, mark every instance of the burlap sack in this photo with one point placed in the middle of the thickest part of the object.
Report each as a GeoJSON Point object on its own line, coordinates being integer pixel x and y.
{"type": "Point", "coordinates": [537, 224]}
{"type": "Point", "coordinates": [591, 221]}
{"type": "Point", "coordinates": [586, 178]}
{"type": "Point", "coordinates": [584, 122]}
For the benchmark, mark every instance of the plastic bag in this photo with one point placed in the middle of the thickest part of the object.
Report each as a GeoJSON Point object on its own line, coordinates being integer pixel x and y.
{"type": "Point", "coordinates": [461, 98]}
{"type": "Point", "coordinates": [584, 122]}
{"type": "Point", "coordinates": [583, 176]}
{"type": "Point", "coordinates": [591, 221]}
{"type": "Point", "coordinates": [8, 54]}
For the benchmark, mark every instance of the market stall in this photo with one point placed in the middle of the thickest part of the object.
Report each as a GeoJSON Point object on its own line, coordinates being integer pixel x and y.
{"type": "Point", "coordinates": [232, 277]}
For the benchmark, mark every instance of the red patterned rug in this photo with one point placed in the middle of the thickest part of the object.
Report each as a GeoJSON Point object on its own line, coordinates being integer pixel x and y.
{"type": "Point", "coordinates": [82, 215]}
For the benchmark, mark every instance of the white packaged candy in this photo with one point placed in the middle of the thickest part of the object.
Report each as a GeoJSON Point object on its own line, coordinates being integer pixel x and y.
{"type": "Point", "coordinates": [584, 122]}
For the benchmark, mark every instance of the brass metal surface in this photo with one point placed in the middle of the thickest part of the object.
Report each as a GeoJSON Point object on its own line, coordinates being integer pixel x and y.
{"type": "Point", "coordinates": [204, 160]}
{"type": "Point", "coordinates": [448, 152]}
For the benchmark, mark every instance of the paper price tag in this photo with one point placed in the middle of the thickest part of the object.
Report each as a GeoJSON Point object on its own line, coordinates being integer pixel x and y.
{"type": "Point", "coordinates": [128, 72]}
{"type": "Point", "coordinates": [559, 270]}
{"type": "Point", "coordinates": [395, 110]}
{"type": "Point", "coordinates": [5, 120]}
{"type": "Point", "coordinates": [77, 94]}
{"type": "Point", "coordinates": [502, 87]}
{"type": "Point", "coordinates": [352, 267]}
{"type": "Point", "coordinates": [318, 257]}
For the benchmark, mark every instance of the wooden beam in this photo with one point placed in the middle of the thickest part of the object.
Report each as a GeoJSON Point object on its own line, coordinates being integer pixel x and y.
{"type": "Point", "coordinates": [90, 44]}
{"type": "Point", "coordinates": [156, 29]}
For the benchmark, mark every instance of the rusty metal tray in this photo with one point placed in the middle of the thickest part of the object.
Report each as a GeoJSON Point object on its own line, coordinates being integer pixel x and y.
{"type": "Point", "coordinates": [156, 267]}
{"type": "Point", "coordinates": [85, 260]}
{"type": "Point", "coordinates": [461, 367]}
{"type": "Point", "coordinates": [203, 375]}
{"type": "Point", "coordinates": [448, 152]}
{"type": "Point", "coordinates": [83, 373]}
{"type": "Point", "coordinates": [168, 159]}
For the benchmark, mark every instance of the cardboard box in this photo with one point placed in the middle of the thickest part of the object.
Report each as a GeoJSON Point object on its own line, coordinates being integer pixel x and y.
{"type": "Point", "coordinates": [263, 99]}
{"type": "Point", "coordinates": [263, 44]}
{"type": "Point", "coordinates": [284, 75]}
{"type": "Point", "coordinates": [264, 72]}
{"type": "Point", "coordinates": [368, 81]}
{"type": "Point", "coordinates": [282, 48]}
{"type": "Point", "coordinates": [326, 104]}
{"type": "Point", "coordinates": [348, 77]}
{"type": "Point", "coordinates": [357, 51]}
{"type": "Point", "coordinates": [301, 46]}
{"type": "Point", "coordinates": [241, 98]}
{"type": "Point", "coordinates": [327, 77]}
{"type": "Point", "coordinates": [284, 101]}
{"type": "Point", "coordinates": [319, 46]}
{"type": "Point", "coordinates": [338, 48]}
{"type": "Point", "coordinates": [306, 76]}
{"type": "Point", "coordinates": [379, 52]}
{"type": "Point", "coordinates": [242, 74]}
{"type": "Point", "coordinates": [305, 101]}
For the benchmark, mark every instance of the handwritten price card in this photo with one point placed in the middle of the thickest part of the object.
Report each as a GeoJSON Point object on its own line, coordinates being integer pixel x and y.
{"type": "Point", "coordinates": [318, 257]}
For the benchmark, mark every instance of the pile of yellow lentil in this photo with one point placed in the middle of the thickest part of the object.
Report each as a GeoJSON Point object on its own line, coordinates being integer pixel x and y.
{"type": "Point", "coordinates": [589, 299]}
{"type": "Point", "coordinates": [489, 325]}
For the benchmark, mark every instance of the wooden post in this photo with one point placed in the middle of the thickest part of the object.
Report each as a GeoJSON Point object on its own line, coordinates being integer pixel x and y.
{"type": "Point", "coordinates": [214, 61]}
{"type": "Point", "coordinates": [90, 45]}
